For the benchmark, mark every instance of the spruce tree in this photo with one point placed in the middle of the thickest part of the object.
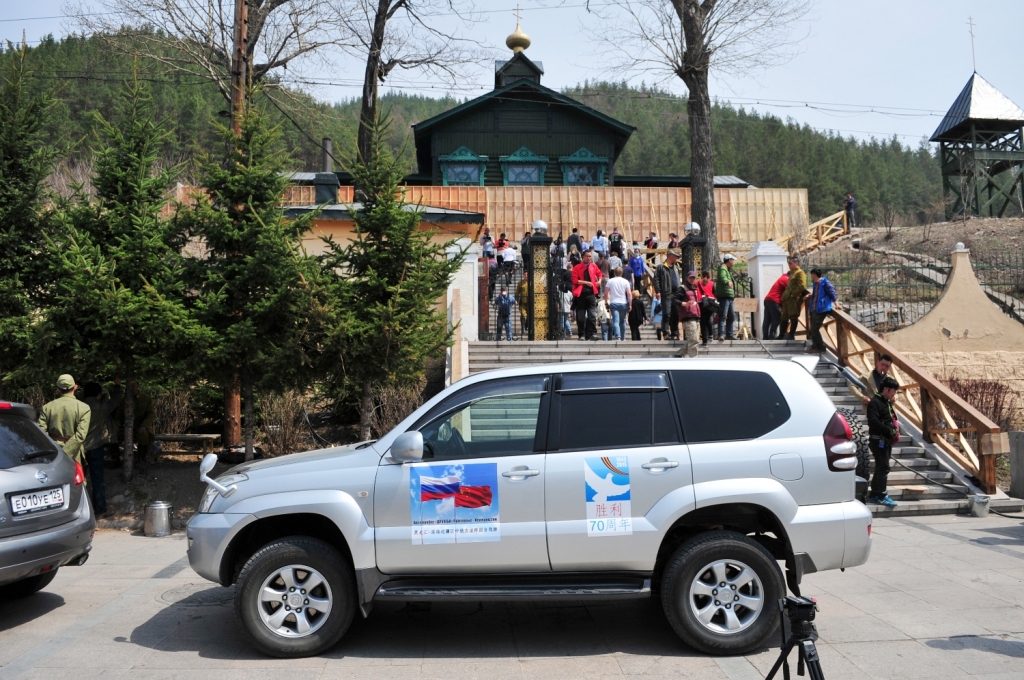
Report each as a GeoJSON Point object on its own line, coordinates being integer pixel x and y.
{"type": "Point", "coordinates": [26, 159]}
{"type": "Point", "coordinates": [118, 296]}
{"type": "Point", "coordinates": [384, 286]}
{"type": "Point", "coordinates": [255, 282]}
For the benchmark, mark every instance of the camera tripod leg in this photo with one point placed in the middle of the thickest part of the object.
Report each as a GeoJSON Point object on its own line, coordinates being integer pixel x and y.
{"type": "Point", "coordinates": [809, 655]}
{"type": "Point", "coordinates": [782, 662]}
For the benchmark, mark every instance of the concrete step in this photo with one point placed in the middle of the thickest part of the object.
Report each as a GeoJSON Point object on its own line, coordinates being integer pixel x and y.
{"type": "Point", "coordinates": [921, 492]}
{"type": "Point", "coordinates": [899, 477]}
{"type": "Point", "coordinates": [916, 463]}
{"type": "Point", "coordinates": [941, 506]}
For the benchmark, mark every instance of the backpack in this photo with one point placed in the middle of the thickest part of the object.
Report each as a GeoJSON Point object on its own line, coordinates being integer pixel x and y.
{"type": "Point", "coordinates": [504, 304]}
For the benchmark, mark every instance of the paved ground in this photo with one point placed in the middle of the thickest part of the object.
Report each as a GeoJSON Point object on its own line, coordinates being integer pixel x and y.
{"type": "Point", "coordinates": [940, 597]}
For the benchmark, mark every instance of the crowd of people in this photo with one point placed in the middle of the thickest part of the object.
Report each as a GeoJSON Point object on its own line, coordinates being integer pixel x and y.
{"type": "Point", "coordinates": [607, 285]}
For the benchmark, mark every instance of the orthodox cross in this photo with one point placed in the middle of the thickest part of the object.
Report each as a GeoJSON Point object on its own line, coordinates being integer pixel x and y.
{"type": "Point", "coordinates": [518, 14]}
{"type": "Point", "coordinates": [974, 59]}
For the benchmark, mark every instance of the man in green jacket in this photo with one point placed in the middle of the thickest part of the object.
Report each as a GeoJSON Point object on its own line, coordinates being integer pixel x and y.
{"type": "Point", "coordinates": [793, 298]}
{"type": "Point", "coordinates": [66, 419]}
{"type": "Point", "coordinates": [725, 293]}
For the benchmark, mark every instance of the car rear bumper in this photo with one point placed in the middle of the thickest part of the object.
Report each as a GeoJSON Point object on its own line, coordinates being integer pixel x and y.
{"type": "Point", "coordinates": [832, 535]}
{"type": "Point", "coordinates": [26, 555]}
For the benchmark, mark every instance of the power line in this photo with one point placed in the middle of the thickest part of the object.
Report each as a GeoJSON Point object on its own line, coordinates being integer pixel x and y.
{"type": "Point", "coordinates": [57, 16]}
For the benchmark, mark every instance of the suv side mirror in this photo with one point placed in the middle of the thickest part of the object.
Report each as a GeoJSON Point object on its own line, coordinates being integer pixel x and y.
{"type": "Point", "coordinates": [209, 462]}
{"type": "Point", "coordinates": [408, 447]}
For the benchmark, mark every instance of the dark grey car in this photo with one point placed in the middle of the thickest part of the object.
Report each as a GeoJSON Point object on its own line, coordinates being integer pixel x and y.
{"type": "Point", "coordinates": [46, 520]}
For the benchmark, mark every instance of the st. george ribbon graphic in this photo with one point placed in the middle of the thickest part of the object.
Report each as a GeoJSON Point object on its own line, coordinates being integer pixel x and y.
{"type": "Point", "coordinates": [454, 503]}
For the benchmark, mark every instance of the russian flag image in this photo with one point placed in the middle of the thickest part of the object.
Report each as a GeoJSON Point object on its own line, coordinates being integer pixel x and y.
{"type": "Point", "coordinates": [437, 488]}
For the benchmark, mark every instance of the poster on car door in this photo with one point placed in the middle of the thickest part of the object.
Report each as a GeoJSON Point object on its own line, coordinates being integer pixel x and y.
{"type": "Point", "coordinates": [454, 503]}
{"type": "Point", "coordinates": [607, 493]}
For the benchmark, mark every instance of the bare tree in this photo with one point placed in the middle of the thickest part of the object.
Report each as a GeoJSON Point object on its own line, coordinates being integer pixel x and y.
{"type": "Point", "coordinates": [891, 215]}
{"type": "Point", "coordinates": [686, 39]}
{"type": "Point", "coordinates": [196, 36]}
{"type": "Point", "coordinates": [409, 35]}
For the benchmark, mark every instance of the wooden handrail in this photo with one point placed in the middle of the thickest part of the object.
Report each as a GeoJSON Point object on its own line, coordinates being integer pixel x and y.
{"type": "Point", "coordinates": [978, 419]}
{"type": "Point", "coordinates": [819, 233]}
{"type": "Point", "coordinates": [937, 401]}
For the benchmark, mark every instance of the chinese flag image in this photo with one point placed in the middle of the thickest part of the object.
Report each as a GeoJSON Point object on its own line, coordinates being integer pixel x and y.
{"type": "Point", "coordinates": [473, 497]}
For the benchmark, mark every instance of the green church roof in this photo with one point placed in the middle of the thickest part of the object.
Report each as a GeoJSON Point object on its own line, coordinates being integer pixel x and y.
{"type": "Point", "coordinates": [624, 129]}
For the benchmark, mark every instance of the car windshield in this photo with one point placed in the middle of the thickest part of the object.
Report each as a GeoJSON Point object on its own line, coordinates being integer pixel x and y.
{"type": "Point", "coordinates": [20, 437]}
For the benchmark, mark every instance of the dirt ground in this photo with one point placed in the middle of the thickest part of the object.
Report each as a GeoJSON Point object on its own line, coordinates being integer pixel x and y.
{"type": "Point", "coordinates": [175, 479]}
{"type": "Point", "coordinates": [983, 236]}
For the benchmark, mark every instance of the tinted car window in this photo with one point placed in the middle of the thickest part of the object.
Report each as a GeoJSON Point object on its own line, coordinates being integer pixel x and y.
{"type": "Point", "coordinates": [717, 406]}
{"type": "Point", "coordinates": [19, 436]}
{"type": "Point", "coordinates": [491, 388]}
{"type": "Point", "coordinates": [664, 419]}
{"type": "Point", "coordinates": [614, 410]}
{"type": "Point", "coordinates": [498, 418]}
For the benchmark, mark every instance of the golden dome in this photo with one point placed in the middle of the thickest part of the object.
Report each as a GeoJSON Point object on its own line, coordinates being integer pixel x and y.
{"type": "Point", "coordinates": [517, 41]}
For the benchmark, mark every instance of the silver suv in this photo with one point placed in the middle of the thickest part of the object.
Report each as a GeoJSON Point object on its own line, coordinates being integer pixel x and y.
{"type": "Point", "coordinates": [46, 520]}
{"type": "Point", "coordinates": [689, 481]}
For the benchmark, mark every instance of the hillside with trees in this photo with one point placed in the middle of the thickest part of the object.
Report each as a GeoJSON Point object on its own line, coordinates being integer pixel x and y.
{"type": "Point", "coordinates": [762, 149]}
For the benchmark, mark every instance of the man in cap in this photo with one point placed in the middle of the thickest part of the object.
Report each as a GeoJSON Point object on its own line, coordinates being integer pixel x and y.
{"type": "Point", "coordinates": [668, 279]}
{"type": "Point", "coordinates": [725, 293]}
{"type": "Point", "coordinates": [66, 419]}
{"type": "Point", "coordinates": [883, 432]}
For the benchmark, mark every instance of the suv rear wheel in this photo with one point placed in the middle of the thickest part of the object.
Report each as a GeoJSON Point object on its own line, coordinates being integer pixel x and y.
{"type": "Point", "coordinates": [719, 592]}
{"type": "Point", "coordinates": [296, 597]}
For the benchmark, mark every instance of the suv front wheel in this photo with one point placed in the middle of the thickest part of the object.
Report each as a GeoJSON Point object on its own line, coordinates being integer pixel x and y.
{"type": "Point", "coordinates": [295, 597]}
{"type": "Point", "coordinates": [720, 592]}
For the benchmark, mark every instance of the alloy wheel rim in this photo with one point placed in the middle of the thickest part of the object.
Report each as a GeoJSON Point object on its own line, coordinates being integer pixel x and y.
{"type": "Point", "coordinates": [295, 601]}
{"type": "Point", "coordinates": [726, 597]}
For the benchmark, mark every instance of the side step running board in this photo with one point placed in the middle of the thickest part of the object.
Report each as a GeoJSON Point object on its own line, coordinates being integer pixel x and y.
{"type": "Point", "coordinates": [490, 592]}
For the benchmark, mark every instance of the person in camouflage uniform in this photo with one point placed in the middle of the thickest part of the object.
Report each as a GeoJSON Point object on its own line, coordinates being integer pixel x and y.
{"type": "Point", "coordinates": [66, 419]}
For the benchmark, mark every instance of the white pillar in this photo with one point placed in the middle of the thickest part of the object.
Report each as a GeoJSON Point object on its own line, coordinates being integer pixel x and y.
{"type": "Point", "coordinates": [765, 264]}
{"type": "Point", "coordinates": [461, 304]}
{"type": "Point", "coordinates": [466, 281]}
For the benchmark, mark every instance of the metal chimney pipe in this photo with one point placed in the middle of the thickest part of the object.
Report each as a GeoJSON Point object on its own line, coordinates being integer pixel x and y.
{"type": "Point", "coordinates": [328, 149]}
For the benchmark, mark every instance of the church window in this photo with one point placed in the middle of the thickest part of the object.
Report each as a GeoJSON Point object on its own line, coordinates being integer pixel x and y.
{"type": "Point", "coordinates": [462, 168]}
{"type": "Point", "coordinates": [523, 168]}
{"type": "Point", "coordinates": [583, 168]}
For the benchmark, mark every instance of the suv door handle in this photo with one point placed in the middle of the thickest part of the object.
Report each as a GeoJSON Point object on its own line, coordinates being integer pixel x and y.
{"type": "Point", "coordinates": [520, 472]}
{"type": "Point", "coordinates": [660, 465]}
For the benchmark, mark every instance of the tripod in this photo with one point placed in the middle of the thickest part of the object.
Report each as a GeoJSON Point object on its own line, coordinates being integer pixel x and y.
{"type": "Point", "coordinates": [802, 636]}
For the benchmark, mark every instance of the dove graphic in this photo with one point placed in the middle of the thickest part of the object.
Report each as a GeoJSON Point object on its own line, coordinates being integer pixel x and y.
{"type": "Point", "coordinates": [604, 487]}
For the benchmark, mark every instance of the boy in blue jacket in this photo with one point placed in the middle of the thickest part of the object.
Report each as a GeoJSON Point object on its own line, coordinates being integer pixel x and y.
{"type": "Point", "coordinates": [823, 296]}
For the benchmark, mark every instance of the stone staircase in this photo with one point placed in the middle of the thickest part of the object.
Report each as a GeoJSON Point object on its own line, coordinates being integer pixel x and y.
{"type": "Point", "coordinates": [915, 495]}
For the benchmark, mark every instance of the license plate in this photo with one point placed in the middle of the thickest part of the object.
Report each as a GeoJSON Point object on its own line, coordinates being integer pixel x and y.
{"type": "Point", "coordinates": [45, 499]}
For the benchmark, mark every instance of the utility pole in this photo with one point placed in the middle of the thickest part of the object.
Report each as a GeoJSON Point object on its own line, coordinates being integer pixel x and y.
{"type": "Point", "coordinates": [232, 432]}
{"type": "Point", "coordinates": [240, 62]}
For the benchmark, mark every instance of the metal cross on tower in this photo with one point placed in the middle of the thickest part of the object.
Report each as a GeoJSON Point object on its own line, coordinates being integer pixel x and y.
{"type": "Point", "coordinates": [974, 59]}
{"type": "Point", "coordinates": [518, 14]}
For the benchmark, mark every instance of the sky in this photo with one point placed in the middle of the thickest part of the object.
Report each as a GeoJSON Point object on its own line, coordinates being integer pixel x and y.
{"type": "Point", "coordinates": [870, 68]}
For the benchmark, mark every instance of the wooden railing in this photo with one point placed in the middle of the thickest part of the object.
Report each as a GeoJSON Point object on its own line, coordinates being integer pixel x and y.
{"type": "Point", "coordinates": [923, 400]}
{"type": "Point", "coordinates": [817, 234]}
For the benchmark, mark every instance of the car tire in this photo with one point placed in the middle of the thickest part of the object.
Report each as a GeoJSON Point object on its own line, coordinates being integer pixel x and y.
{"type": "Point", "coordinates": [736, 560]}
{"type": "Point", "coordinates": [26, 586]}
{"type": "Point", "coordinates": [860, 436]}
{"type": "Point", "coordinates": [284, 566]}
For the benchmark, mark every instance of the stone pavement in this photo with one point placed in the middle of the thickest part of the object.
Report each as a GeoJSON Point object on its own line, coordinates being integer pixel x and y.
{"type": "Point", "coordinates": [940, 597]}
